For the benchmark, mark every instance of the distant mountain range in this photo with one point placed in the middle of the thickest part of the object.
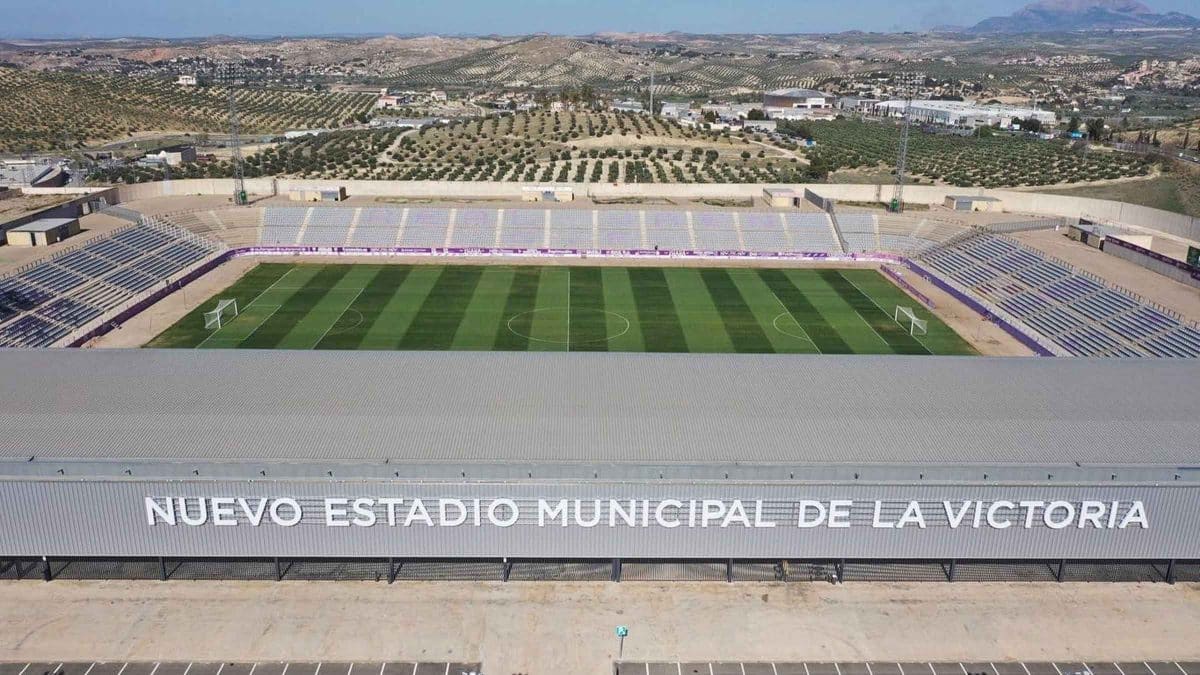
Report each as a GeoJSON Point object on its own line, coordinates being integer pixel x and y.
{"type": "Point", "coordinates": [1073, 15]}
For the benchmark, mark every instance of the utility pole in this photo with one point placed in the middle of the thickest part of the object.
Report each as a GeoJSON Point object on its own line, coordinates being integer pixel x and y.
{"type": "Point", "coordinates": [652, 91]}
{"type": "Point", "coordinates": [229, 72]}
{"type": "Point", "coordinates": [908, 84]}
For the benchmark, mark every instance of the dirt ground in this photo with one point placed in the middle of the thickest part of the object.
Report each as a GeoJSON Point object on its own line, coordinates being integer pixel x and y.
{"type": "Point", "coordinates": [1171, 294]}
{"type": "Point", "coordinates": [550, 628]}
{"type": "Point", "coordinates": [989, 339]}
{"type": "Point", "coordinates": [92, 226]}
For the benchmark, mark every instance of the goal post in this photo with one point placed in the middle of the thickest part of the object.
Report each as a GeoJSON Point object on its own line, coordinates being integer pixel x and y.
{"type": "Point", "coordinates": [908, 319]}
{"type": "Point", "coordinates": [226, 310]}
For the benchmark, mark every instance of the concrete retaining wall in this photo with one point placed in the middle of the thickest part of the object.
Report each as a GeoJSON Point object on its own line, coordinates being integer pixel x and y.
{"type": "Point", "coordinates": [1161, 264]}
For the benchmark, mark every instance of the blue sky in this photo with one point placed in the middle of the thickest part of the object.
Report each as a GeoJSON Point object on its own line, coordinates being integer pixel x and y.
{"type": "Point", "coordinates": [182, 18]}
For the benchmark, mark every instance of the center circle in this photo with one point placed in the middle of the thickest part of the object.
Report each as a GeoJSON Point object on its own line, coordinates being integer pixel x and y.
{"type": "Point", "coordinates": [562, 317]}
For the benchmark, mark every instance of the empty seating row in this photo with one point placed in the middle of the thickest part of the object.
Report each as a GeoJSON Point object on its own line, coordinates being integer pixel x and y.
{"type": "Point", "coordinates": [1079, 314]}
{"type": "Point", "coordinates": [52, 298]}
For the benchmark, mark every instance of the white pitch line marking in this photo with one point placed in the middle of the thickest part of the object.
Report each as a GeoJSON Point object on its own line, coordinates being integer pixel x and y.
{"type": "Point", "coordinates": [252, 301]}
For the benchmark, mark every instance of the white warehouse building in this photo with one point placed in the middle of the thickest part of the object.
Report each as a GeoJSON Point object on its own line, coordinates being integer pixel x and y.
{"type": "Point", "coordinates": [962, 114]}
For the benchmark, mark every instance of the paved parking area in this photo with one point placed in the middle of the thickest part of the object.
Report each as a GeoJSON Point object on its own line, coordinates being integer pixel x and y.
{"type": "Point", "coordinates": [909, 668]}
{"type": "Point", "coordinates": [240, 668]}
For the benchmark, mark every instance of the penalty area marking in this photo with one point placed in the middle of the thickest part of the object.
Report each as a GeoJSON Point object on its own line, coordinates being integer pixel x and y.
{"type": "Point", "coordinates": [335, 329]}
{"type": "Point", "coordinates": [247, 306]}
{"type": "Point", "coordinates": [568, 342]}
{"type": "Point", "coordinates": [801, 336]}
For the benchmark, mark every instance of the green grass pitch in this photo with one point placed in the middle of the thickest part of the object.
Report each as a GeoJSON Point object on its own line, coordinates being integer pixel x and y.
{"type": "Point", "coordinates": [527, 308]}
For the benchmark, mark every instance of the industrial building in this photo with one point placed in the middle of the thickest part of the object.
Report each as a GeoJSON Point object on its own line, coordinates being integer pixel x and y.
{"type": "Point", "coordinates": [395, 458]}
{"type": "Point", "coordinates": [176, 155]}
{"type": "Point", "coordinates": [960, 114]}
{"type": "Point", "coordinates": [42, 232]}
{"type": "Point", "coordinates": [797, 98]}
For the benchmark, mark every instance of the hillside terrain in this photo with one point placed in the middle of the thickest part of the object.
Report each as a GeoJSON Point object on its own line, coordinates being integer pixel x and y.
{"type": "Point", "coordinates": [1048, 16]}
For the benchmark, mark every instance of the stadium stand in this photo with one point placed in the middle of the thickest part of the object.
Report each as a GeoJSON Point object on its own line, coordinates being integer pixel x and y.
{"type": "Point", "coordinates": [859, 231]}
{"type": "Point", "coordinates": [582, 229]}
{"type": "Point", "coordinates": [524, 228]}
{"type": "Point", "coordinates": [719, 231]}
{"type": "Point", "coordinates": [1074, 310]}
{"type": "Point", "coordinates": [571, 230]}
{"type": "Point", "coordinates": [475, 228]}
{"type": "Point", "coordinates": [327, 227]}
{"type": "Point", "coordinates": [668, 231]}
{"type": "Point", "coordinates": [425, 228]}
{"type": "Point", "coordinates": [620, 230]}
{"type": "Point", "coordinates": [810, 232]}
{"type": "Point", "coordinates": [47, 301]}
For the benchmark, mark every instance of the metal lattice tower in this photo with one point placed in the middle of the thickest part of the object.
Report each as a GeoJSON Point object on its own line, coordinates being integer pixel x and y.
{"type": "Point", "coordinates": [908, 85]}
{"type": "Point", "coordinates": [229, 72]}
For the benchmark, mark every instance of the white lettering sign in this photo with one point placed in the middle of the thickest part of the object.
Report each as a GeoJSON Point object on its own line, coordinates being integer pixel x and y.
{"type": "Point", "coordinates": [999, 514]}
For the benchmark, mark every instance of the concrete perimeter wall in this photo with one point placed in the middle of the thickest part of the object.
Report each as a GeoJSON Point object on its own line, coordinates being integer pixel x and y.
{"type": "Point", "coordinates": [1014, 201]}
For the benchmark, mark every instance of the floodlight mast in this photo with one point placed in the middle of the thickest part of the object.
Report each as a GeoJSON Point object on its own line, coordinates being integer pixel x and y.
{"type": "Point", "coordinates": [229, 73]}
{"type": "Point", "coordinates": [908, 84]}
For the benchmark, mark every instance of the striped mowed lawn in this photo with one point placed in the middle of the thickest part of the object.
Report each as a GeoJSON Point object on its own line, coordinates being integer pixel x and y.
{"type": "Point", "coordinates": [528, 308]}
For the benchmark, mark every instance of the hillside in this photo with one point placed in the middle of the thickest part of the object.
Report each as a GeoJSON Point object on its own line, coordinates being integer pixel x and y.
{"type": "Point", "coordinates": [552, 61]}
{"type": "Point", "coordinates": [41, 111]}
{"type": "Point", "coordinates": [1072, 15]}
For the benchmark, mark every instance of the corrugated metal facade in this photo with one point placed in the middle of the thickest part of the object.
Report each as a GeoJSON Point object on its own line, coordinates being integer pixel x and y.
{"type": "Point", "coordinates": [87, 436]}
{"type": "Point", "coordinates": [109, 518]}
{"type": "Point", "coordinates": [220, 405]}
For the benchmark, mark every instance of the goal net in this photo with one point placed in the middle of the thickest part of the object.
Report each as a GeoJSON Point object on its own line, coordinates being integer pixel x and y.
{"type": "Point", "coordinates": [906, 318]}
{"type": "Point", "coordinates": [225, 311]}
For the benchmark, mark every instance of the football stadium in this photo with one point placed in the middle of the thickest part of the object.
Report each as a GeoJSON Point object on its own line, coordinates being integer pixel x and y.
{"type": "Point", "coordinates": [811, 392]}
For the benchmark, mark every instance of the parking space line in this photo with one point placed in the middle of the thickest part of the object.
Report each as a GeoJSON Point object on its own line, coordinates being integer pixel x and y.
{"type": "Point", "coordinates": [255, 665]}
{"type": "Point", "coordinates": [285, 667]}
{"type": "Point", "coordinates": [154, 669]}
{"type": "Point", "coordinates": [315, 672]}
{"type": "Point", "coordinates": [993, 667]}
{"type": "Point", "coordinates": [56, 669]}
{"type": "Point", "coordinates": [349, 670]}
{"type": "Point", "coordinates": [24, 669]}
{"type": "Point", "coordinates": [776, 670]}
{"type": "Point", "coordinates": [836, 667]}
{"type": "Point", "coordinates": [710, 670]}
{"type": "Point", "coordinates": [1059, 670]}
{"type": "Point", "coordinates": [1149, 668]}
{"type": "Point", "coordinates": [381, 667]}
{"type": "Point", "coordinates": [931, 668]}
{"type": "Point", "coordinates": [963, 666]}
{"type": "Point", "coordinates": [414, 672]}
{"type": "Point", "coordinates": [123, 667]}
{"type": "Point", "coordinates": [448, 668]}
{"type": "Point", "coordinates": [806, 668]}
{"type": "Point", "coordinates": [740, 663]}
{"type": "Point", "coordinates": [1026, 668]}
{"type": "Point", "coordinates": [1175, 662]}
{"type": "Point", "coordinates": [869, 671]}
{"type": "Point", "coordinates": [93, 665]}
{"type": "Point", "coordinates": [189, 667]}
{"type": "Point", "coordinates": [1119, 668]}
{"type": "Point", "coordinates": [901, 667]}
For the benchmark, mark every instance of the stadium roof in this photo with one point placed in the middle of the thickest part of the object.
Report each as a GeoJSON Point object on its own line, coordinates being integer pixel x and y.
{"type": "Point", "coordinates": [224, 409]}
